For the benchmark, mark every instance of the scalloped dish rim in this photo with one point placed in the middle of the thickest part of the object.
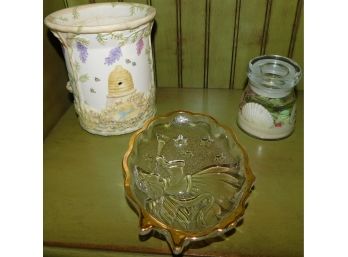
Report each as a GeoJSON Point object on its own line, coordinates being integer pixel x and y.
{"type": "Point", "coordinates": [175, 237]}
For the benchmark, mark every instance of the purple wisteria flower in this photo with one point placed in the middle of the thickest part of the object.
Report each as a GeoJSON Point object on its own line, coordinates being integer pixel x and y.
{"type": "Point", "coordinates": [140, 46]}
{"type": "Point", "coordinates": [114, 55]}
{"type": "Point", "coordinates": [82, 51]}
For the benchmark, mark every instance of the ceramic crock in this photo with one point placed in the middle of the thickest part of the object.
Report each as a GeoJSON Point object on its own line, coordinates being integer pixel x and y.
{"type": "Point", "coordinates": [108, 55]}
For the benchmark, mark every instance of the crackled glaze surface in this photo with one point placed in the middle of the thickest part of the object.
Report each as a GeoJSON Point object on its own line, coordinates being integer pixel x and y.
{"type": "Point", "coordinates": [188, 172]}
{"type": "Point", "coordinates": [107, 50]}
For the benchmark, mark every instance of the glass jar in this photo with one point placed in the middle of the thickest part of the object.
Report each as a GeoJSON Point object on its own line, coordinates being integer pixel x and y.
{"type": "Point", "coordinates": [268, 106]}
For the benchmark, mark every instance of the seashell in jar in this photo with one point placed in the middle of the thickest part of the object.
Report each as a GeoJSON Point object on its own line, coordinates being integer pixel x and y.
{"type": "Point", "coordinates": [258, 115]}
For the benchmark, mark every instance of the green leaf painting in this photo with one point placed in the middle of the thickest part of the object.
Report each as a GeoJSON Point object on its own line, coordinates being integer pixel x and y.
{"type": "Point", "coordinates": [84, 78]}
{"type": "Point", "coordinates": [61, 18]}
{"type": "Point", "coordinates": [75, 13]}
{"type": "Point", "coordinates": [137, 8]}
{"type": "Point", "coordinates": [124, 39]}
{"type": "Point", "coordinates": [148, 54]}
{"type": "Point", "coordinates": [102, 37]}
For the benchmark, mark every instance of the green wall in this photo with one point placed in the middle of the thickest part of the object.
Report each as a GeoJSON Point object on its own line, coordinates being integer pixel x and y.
{"type": "Point", "coordinates": [55, 96]}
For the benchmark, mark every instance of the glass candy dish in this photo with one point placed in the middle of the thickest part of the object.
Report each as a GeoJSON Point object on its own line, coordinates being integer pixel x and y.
{"type": "Point", "coordinates": [188, 178]}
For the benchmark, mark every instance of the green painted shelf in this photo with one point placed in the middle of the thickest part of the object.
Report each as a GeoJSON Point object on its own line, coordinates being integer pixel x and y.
{"type": "Point", "coordinates": [86, 213]}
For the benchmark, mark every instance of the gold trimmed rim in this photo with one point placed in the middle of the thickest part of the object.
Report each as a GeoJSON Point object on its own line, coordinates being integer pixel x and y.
{"type": "Point", "coordinates": [180, 237]}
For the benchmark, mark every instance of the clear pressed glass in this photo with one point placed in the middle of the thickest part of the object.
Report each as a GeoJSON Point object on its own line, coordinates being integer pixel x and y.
{"type": "Point", "coordinates": [189, 174]}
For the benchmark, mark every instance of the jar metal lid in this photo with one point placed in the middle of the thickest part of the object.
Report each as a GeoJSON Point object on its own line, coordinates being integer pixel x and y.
{"type": "Point", "coordinates": [274, 74]}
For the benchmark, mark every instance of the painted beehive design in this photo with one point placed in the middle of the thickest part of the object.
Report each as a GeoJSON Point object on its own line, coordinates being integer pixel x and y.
{"type": "Point", "coordinates": [120, 82]}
